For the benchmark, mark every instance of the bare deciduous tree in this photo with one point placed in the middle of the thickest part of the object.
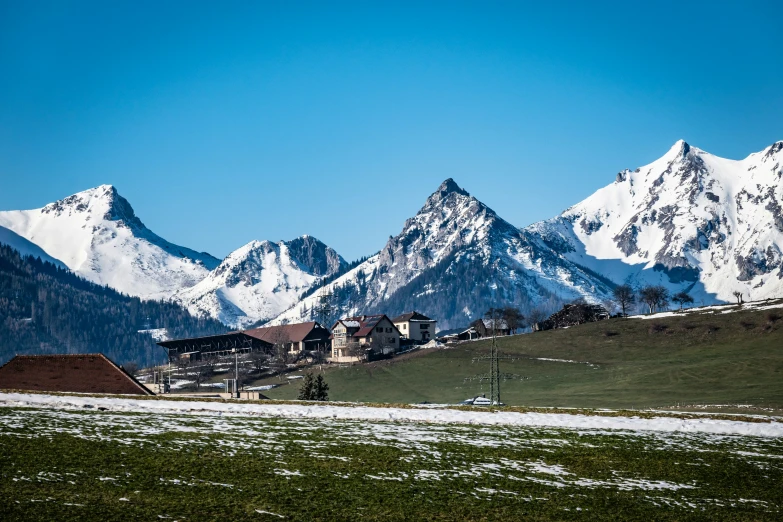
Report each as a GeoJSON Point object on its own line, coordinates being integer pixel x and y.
{"type": "Point", "coordinates": [356, 350]}
{"type": "Point", "coordinates": [203, 371]}
{"type": "Point", "coordinates": [655, 297]}
{"type": "Point", "coordinates": [513, 317]}
{"type": "Point", "coordinates": [682, 298]}
{"type": "Point", "coordinates": [536, 315]}
{"type": "Point", "coordinates": [738, 296]}
{"type": "Point", "coordinates": [624, 297]}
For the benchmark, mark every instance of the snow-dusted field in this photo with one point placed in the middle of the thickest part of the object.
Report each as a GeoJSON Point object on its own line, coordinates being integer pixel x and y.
{"type": "Point", "coordinates": [97, 458]}
{"type": "Point", "coordinates": [443, 415]}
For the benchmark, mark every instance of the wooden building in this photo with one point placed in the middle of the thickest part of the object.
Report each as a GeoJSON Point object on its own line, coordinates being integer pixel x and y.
{"type": "Point", "coordinates": [297, 337]}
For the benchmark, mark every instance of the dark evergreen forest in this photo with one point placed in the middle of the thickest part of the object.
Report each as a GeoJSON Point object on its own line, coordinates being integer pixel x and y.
{"type": "Point", "coordinates": [45, 309]}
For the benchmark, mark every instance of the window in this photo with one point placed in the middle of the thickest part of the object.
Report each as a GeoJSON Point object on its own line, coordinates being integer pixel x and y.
{"type": "Point", "coordinates": [379, 329]}
{"type": "Point", "coordinates": [388, 330]}
{"type": "Point", "coordinates": [405, 326]}
{"type": "Point", "coordinates": [425, 326]}
{"type": "Point", "coordinates": [392, 340]}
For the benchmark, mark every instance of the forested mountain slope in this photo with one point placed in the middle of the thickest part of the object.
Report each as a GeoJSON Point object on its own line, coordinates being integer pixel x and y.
{"type": "Point", "coordinates": [47, 309]}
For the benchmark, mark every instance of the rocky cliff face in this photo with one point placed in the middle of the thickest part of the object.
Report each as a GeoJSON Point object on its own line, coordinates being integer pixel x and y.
{"type": "Point", "coordinates": [689, 221]}
{"type": "Point", "coordinates": [454, 259]}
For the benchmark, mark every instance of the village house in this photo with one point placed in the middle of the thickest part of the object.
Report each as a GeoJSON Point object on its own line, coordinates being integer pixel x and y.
{"type": "Point", "coordinates": [490, 327]}
{"type": "Point", "coordinates": [415, 326]}
{"type": "Point", "coordinates": [296, 337]}
{"type": "Point", "coordinates": [457, 334]}
{"type": "Point", "coordinates": [362, 337]}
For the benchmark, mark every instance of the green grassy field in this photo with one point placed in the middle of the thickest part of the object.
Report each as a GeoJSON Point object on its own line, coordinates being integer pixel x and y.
{"type": "Point", "coordinates": [715, 358]}
{"type": "Point", "coordinates": [105, 465]}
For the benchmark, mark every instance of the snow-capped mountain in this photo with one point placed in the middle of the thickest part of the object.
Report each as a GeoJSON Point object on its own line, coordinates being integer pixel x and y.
{"type": "Point", "coordinates": [25, 247]}
{"type": "Point", "coordinates": [689, 220]}
{"type": "Point", "coordinates": [97, 235]}
{"type": "Point", "coordinates": [454, 259]}
{"type": "Point", "coordinates": [261, 279]}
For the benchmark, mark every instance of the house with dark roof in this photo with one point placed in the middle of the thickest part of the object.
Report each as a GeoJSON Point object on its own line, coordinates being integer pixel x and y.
{"type": "Point", "coordinates": [415, 326]}
{"type": "Point", "coordinates": [364, 337]}
{"type": "Point", "coordinates": [77, 373]}
{"type": "Point", "coordinates": [297, 337]}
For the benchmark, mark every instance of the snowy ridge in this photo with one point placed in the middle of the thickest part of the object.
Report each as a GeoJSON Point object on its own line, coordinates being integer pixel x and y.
{"type": "Point", "coordinates": [96, 234]}
{"type": "Point", "coordinates": [260, 279]}
{"type": "Point", "coordinates": [452, 243]}
{"type": "Point", "coordinates": [689, 221]}
{"type": "Point", "coordinates": [25, 247]}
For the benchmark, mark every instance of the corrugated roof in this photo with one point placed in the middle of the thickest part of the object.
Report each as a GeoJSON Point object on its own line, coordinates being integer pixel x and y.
{"type": "Point", "coordinates": [78, 373]}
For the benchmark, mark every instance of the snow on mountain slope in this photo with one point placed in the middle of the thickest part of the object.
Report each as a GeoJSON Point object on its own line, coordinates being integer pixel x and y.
{"type": "Point", "coordinates": [454, 259]}
{"type": "Point", "coordinates": [25, 247]}
{"type": "Point", "coordinates": [261, 279]}
{"type": "Point", "coordinates": [689, 220]}
{"type": "Point", "coordinates": [97, 235]}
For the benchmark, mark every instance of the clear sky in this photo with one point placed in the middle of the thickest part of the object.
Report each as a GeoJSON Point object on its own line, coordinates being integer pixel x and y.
{"type": "Point", "coordinates": [224, 122]}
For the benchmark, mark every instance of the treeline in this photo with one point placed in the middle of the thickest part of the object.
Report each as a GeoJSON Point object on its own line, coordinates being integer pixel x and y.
{"type": "Point", "coordinates": [45, 309]}
{"type": "Point", "coordinates": [653, 297]}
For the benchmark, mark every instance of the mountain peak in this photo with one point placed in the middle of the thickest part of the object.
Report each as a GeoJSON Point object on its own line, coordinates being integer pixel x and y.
{"type": "Point", "coordinates": [102, 202]}
{"type": "Point", "coordinates": [445, 189]}
{"type": "Point", "coordinates": [679, 149]}
{"type": "Point", "coordinates": [449, 186]}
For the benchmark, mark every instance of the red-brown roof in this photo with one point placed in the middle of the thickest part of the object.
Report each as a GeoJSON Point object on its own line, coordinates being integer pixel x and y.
{"type": "Point", "coordinates": [366, 323]}
{"type": "Point", "coordinates": [287, 333]}
{"type": "Point", "coordinates": [78, 373]}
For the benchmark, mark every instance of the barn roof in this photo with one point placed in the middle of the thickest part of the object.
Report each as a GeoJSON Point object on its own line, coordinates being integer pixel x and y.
{"type": "Point", "coordinates": [78, 373]}
{"type": "Point", "coordinates": [286, 333]}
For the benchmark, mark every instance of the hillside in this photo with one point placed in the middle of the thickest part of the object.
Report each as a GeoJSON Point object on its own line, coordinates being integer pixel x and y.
{"type": "Point", "coordinates": [48, 309]}
{"type": "Point", "coordinates": [701, 358]}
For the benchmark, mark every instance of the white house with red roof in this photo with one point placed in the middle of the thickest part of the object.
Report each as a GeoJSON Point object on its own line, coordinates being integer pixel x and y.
{"type": "Point", "coordinates": [362, 337]}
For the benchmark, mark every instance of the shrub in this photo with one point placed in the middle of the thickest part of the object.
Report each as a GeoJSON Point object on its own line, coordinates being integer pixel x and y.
{"type": "Point", "coordinates": [658, 328]}
{"type": "Point", "coordinates": [747, 325]}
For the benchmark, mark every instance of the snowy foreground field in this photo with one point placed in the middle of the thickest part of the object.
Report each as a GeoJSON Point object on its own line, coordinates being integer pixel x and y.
{"type": "Point", "coordinates": [89, 458]}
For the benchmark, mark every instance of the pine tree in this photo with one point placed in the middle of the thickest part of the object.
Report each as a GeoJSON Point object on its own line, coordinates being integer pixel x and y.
{"type": "Point", "coordinates": [321, 389]}
{"type": "Point", "coordinates": [307, 391]}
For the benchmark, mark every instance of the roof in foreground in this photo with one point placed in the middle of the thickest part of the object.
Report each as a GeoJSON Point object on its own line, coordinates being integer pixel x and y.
{"type": "Point", "coordinates": [77, 373]}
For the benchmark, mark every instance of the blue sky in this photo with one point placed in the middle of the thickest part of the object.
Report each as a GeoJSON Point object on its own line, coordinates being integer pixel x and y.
{"type": "Point", "coordinates": [225, 122]}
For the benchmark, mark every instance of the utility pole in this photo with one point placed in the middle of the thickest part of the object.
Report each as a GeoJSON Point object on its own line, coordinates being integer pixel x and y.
{"type": "Point", "coordinates": [494, 376]}
{"type": "Point", "coordinates": [324, 307]}
{"type": "Point", "coordinates": [236, 371]}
